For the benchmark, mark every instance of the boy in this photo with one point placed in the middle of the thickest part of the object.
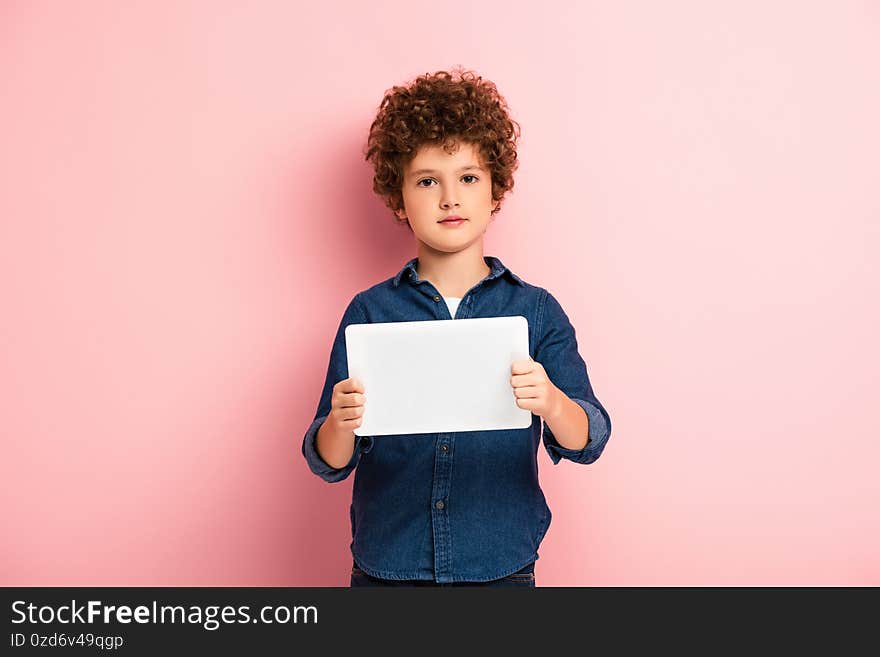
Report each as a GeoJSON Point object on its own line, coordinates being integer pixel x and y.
{"type": "Point", "coordinates": [461, 507]}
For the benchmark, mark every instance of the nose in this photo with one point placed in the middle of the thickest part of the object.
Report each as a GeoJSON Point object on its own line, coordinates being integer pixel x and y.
{"type": "Point", "coordinates": [448, 201]}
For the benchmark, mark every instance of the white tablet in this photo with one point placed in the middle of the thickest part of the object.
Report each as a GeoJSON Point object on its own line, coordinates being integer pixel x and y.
{"type": "Point", "coordinates": [438, 375]}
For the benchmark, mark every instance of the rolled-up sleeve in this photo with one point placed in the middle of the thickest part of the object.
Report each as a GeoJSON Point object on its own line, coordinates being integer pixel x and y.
{"type": "Point", "coordinates": [557, 351]}
{"type": "Point", "coordinates": [337, 370]}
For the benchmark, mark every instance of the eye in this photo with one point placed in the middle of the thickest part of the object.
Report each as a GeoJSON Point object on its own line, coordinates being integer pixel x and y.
{"type": "Point", "coordinates": [467, 175]}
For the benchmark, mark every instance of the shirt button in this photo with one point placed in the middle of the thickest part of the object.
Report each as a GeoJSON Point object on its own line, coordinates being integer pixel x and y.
{"type": "Point", "coordinates": [436, 298]}
{"type": "Point", "coordinates": [439, 504]}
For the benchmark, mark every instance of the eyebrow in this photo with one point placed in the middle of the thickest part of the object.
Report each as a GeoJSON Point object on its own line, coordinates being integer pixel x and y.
{"type": "Point", "coordinates": [467, 168]}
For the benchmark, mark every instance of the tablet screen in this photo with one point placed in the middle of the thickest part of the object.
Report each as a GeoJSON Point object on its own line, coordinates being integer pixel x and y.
{"type": "Point", "coordinates": [438, 375]}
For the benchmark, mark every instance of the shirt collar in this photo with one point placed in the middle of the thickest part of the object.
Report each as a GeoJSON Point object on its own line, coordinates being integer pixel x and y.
{"type": "Point", "coordinates": [495, 265]}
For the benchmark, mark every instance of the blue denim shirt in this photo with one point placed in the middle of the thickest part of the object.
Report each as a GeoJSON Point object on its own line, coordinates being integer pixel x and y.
{"type": "Point", "coordinates": [467, 505]}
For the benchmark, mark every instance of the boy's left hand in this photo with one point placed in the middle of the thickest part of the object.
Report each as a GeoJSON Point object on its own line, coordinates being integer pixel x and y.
{"type": "Point", "coordinates": [533, 389]}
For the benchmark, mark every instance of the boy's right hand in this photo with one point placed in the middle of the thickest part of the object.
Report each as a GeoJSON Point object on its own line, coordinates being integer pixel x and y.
{"type": "Point", "coordinates": [347, 405]}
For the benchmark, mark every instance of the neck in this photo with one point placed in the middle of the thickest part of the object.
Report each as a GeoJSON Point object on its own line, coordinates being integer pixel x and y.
{"type": "Point", "coordinates": [453, 274]}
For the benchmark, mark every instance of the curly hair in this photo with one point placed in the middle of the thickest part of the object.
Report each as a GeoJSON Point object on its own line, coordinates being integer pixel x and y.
{"type": "Point", "coordinates": [440, 109]}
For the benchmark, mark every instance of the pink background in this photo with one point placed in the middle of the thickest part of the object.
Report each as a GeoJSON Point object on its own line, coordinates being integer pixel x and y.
{"type": "Point", "coordinates": [186, 212]}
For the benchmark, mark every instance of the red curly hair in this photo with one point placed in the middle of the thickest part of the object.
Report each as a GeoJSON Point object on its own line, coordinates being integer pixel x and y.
{"type": "Point", "coordinates": [440, 109]}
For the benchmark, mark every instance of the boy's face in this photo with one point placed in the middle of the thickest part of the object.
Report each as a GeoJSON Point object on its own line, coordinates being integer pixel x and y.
{"type": "Point", "coordinates": [436, 185]}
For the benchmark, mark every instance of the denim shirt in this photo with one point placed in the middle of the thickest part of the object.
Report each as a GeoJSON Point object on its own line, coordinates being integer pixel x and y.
{"type": "Point", "coordinates": [465, 505]}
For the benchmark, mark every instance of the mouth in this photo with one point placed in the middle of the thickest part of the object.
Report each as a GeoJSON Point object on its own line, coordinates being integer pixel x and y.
{"type": "Point", "coordinates": [453, 220]}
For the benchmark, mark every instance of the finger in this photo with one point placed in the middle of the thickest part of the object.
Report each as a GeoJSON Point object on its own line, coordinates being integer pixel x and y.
{"type": "Point", "coordinates": [351, 414]}
{"type": "Point", "coordinates": [527, 404]}
{"type": "Point", "coordinates": [351, 385]}
{"type": "Point", "coordinates": [519, 380]}
{"type": "Point", "coordinates": [521, 367]}
{"type": "Point", "coordinates": [526, 392]}
{"type": "Point", "coordinates": [352, 400]}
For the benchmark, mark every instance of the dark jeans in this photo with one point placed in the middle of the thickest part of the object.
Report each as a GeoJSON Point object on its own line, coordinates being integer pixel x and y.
{"type": "Point", "coordinates": [524, 577]}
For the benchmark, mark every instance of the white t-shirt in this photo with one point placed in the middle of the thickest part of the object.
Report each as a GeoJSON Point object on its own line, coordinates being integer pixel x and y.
{"type": "Point", "coordinates": [452, 302]}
